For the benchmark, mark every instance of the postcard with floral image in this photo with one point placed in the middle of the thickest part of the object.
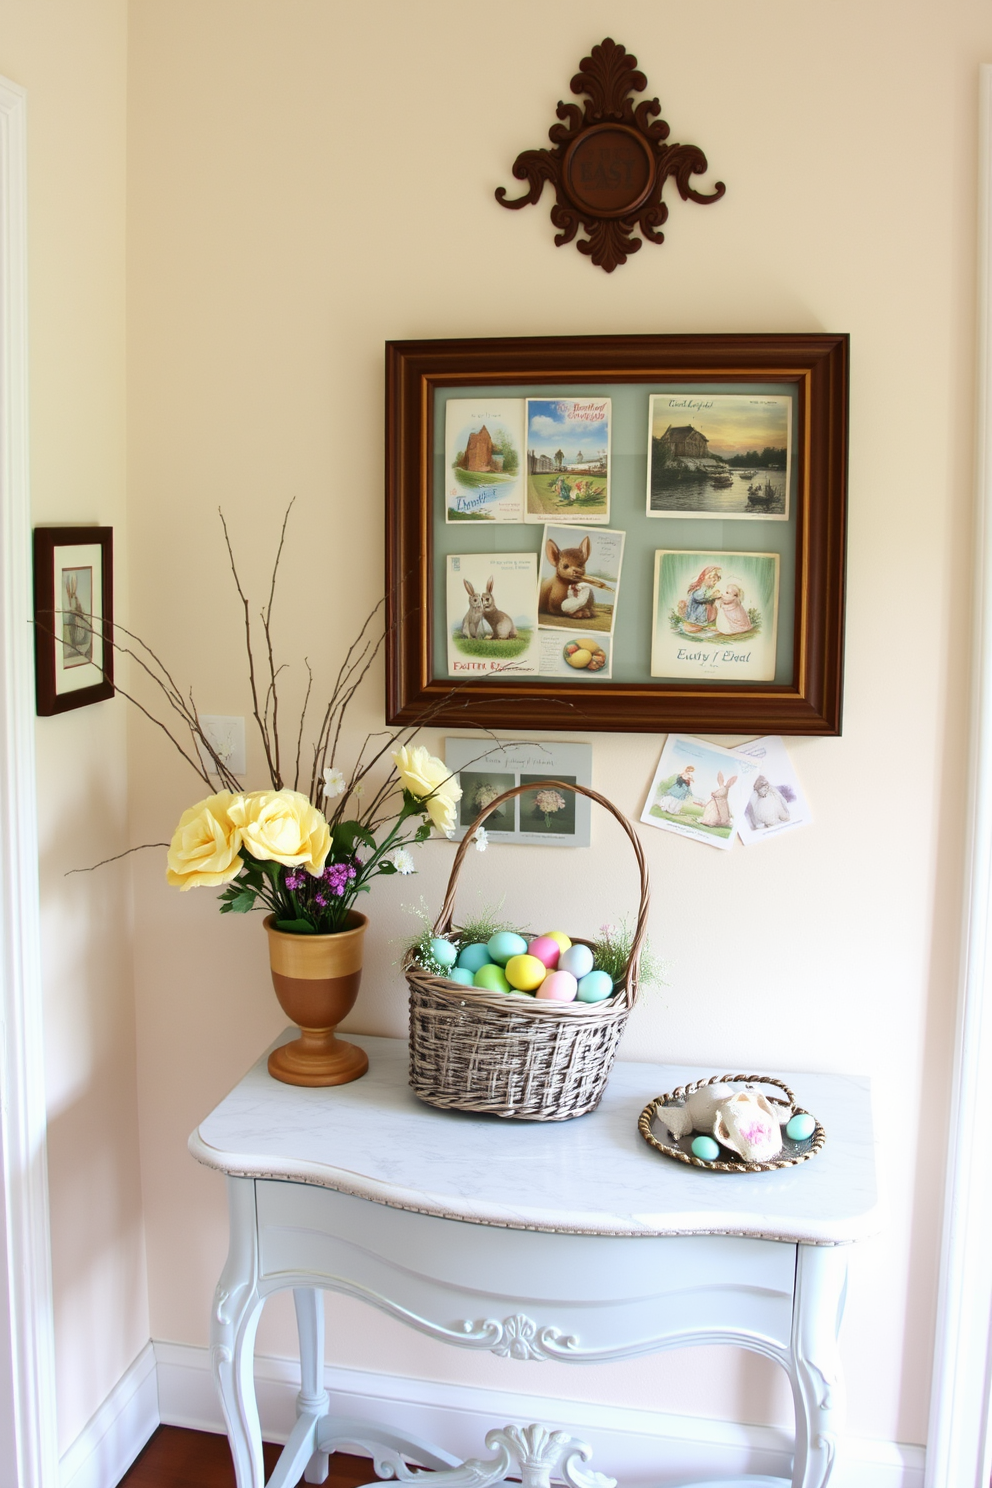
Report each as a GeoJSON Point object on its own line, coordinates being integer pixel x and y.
{"type": "Point", "coordinates": [715, 615]}
{"type": "Point", "coordinates": [777, 803]}
{"type": "Point", "coordinates": [483, 460]}
{"type": "Point", "coordinates": [547, 815]}
{"type": "Point", "coordinates": [699, 790]}
{"type": "Point", "coordinates": [579, 579]}
{"type": "Point", "coordinates": [568, 460]}
{"type": "Point", "coordinates": [492, 613]}
{"type": "Point", "coordinates": [575, 656]}
{"type": "Point", "coordinates": [719, 455]}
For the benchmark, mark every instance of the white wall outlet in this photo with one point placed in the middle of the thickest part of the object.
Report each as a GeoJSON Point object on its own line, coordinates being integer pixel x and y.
{"type": "Point", "coordinates": [227, 737]}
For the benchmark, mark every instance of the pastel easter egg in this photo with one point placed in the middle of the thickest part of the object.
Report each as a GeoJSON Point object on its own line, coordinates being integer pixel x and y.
{"type": "Point", "coordinates": [579, 659]}
{"type": "Point", "coordinates": [545, 949]}
{"type": "Point", "coordinates": [491, 978]}
{"type": "Point", "coordinates": [801, 1126]}
{"type": "Point", "coordinates": [525, 972]}
{"type": "Point", "coordinates": [473, 956]}
{"type": "Point", "coordinates": [559, 937]}
{"type": "Point", "coordinates": [559, 986]}
{"type": "Point", "coordinates": [706, 1148]}
{"type": "Point", "coordinates": [463, 975]}
{"type": "Point", "coordinates": [505, 944]}
{"type": "Point", "coordinates": [595, 986]}
{"type": "Point", "coordinates": [444, 952]}
{"type": "Point", "coordinates": [577, 959]}
{"type": "Point", "coordinates": [571, 649]}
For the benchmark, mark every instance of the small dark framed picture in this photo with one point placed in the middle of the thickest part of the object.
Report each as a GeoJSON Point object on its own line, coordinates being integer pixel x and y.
{"type": "Point", "coordinates": [73, 617]}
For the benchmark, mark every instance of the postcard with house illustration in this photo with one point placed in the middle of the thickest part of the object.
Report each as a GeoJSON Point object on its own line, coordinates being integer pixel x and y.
{"type": "Point", "coordinates": [777, 803]}
{"type": "Point", "coordinates": [545, 815]}
{"type": "Point", "coordinates": [699, 790]}
{"type": "Point", "coordinates": [492, 613]}
{"type": "Point", "coordinates": [568, 460]}
{"type": "Point", "coordinates": [715, 615]}
{"type": "Point", "coordinates": [483, 460]}
{"type": "Point", "coordinates": [579, 578]}
{"type": "Point", "coordinates": [719, 455]}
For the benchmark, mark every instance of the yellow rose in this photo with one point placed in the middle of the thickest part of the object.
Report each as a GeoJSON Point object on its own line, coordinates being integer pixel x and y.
{"type": "Point", "coordinates": [282, 827]}
{"type": "Point", "coordinates": [205, 849]}
{"type": "Point", "coordinates": [423, 774]}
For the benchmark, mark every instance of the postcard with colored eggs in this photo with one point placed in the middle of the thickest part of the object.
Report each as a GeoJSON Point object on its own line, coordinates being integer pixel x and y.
{"type": "Point", "coordinates": [715, 615]}
{"type": "Point", "coordinates": [699, 790]}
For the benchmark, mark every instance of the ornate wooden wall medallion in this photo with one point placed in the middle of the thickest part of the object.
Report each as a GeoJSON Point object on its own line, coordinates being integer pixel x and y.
{"type": "Point", "coordinates": [610, 162]}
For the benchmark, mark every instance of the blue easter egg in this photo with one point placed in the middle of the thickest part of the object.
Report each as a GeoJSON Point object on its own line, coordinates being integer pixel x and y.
{"type": "Point", "coordinates": [463, 975]}
{"type": "Point", "coordinates": [706, 1148]}
{"type": "Point", "coordinates": [505, 944]}
{"type": "Point", "coordinates": [595, 986]}
{"type": "Point", "coordinates": [577, 959]}
{"type": "Point", "coordinates": [444, 952]}
{"type": "Point", "coordinates": [473, 956]}
{"type": "Point", "coordinates": [801, 1127]}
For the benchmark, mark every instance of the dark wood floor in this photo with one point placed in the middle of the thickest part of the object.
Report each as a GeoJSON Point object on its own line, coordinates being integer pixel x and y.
{"type": "Point", "coordinates": [175, 1458]}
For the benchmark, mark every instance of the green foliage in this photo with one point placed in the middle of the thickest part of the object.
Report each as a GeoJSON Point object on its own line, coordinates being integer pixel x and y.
{"type": "Point", "coordinates": [611, 953]}
{"type": "Point", "coordinates": [486, 923]}
{"type": "Point", "coordinates": [490, 646]}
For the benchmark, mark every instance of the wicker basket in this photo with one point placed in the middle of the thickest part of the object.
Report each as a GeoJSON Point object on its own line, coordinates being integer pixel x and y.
{"type": "Point", "coordinates": [473, 1050]}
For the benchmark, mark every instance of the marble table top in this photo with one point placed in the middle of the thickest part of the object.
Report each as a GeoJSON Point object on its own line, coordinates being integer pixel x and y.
{"type": "Point", "coordinates": [591, 1176]}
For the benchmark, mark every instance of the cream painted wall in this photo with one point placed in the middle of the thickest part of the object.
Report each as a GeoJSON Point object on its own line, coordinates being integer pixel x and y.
{"type": "Point", "coordinates": [71, 56]}
{"type": "Point", "coordinates": [307, 179]}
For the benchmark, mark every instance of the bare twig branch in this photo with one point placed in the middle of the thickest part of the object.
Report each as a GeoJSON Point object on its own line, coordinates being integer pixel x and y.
{"type": "Point", "coordinates": [116, 858]}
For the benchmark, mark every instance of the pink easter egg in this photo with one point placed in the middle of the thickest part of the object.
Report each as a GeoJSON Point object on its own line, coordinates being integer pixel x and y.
{"type": "Point", "coordinates": [546, 950]}
{"type": "Point", "coordinates": [560, 986]}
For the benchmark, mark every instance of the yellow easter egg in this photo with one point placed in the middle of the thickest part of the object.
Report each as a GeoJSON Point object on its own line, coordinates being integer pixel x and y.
{"type": "Point", "coordinates": [579, 658]}
{"type": "Point", "coordinates": [564, 943]}
{"type": "Point", "coordinates": [525, 972]}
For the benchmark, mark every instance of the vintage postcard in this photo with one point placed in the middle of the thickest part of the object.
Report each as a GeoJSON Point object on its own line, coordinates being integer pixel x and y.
{"type": "Point", "coordinates": [492, 613]}
{"type": "Point", "coordinates": [483, 460]}
{"type": "Point", "coordinates": [777, 802]}
{"type": "Point", "coordinates": [544, 815]}
{"type": "Point", "coordinates": [568, 460]}
{"type": "Point", "coordinates": [715, 615]}
{"type": "Point", "coordinates": [699, 790]}
{"type": "Point", "coordinates": [719, 455]}
{"type": "Point", "coordinates": [580, 579]}
{"type": "Point", "coordinates": [575, 655]}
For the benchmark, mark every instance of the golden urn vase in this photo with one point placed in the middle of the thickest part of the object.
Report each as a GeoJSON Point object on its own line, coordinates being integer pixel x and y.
{"type": "Point", "coordinates": [316, 978]}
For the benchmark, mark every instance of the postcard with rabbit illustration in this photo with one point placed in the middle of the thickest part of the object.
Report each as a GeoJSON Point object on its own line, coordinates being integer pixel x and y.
{"type": "Point", "coordinates": [568, 459]}
{"type": "Point", "coordinates": [719, 455]}
{"type": "Point", "coordinates": [484, 470]}
{"type": "Point", "coordinates": [715, 615]}
{"type": "Point", "coordinates": [575, 655]}
{"type": "Point", "coordinates": [579, 579]}
{"type": "Point", "coordinates": [545, 815]}
{"type": "Point", "coordinates": [777, 802]}
{"type": "Point", "coordinates": [492, 613]}
{"type": "Point", "coordinates": [699, 790]}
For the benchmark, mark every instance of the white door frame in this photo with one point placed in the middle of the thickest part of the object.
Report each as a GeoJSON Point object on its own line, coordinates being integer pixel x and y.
{"type": "Point", "coordinates": [959, 1451]}
{"type": "Point", "coordinates": [28, 1434]}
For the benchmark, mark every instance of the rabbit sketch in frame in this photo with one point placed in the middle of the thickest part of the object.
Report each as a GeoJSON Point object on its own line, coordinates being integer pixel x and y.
{"type": "Point", "coordinates": [473, 616]}
{"type": "Point", "coordinates": [570, 585]}
{"type": "Point", "coordinates": [500, 623]}
{"type": "Point", "coordinates": [716, 812]}
{"type": "Point", "coordinates": [767, 806]}
{"type": "Point", "coordinates": [77, 628]}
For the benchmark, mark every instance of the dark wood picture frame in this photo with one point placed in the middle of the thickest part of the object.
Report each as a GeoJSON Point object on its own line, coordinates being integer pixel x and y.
{"type": "Point", "coordinates": [48, 542]}
{"type": "Point", "coordinates": [816, 365]}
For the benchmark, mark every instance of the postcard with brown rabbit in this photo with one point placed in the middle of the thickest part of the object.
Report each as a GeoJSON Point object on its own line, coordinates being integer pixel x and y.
{"type": "Point", "coordinates": [579, 579]}
{"type": "Point", "coordinates": [492, 613]}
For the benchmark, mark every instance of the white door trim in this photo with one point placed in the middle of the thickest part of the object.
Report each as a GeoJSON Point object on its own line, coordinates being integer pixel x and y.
{"type": "Point", "coordinates": [28, 1435]}
{"type": "Point", "coordinates": [958, 1445]}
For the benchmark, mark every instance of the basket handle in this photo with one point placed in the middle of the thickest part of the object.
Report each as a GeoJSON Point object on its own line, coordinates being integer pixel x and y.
{"type": "Point", "coordinates": [446, 915]}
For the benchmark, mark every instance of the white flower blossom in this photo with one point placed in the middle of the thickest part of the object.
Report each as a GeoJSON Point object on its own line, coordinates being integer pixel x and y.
{"type": "Point", "coordinates": [481, 839]}
{"type": "Point", "coordinates": [402, 861]}
{"type": "Point", "coordinates": [334, 783]}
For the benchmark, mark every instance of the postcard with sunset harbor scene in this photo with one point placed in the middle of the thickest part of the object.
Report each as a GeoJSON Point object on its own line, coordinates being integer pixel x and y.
{"type": "Point", "coordinates": [719, 455]}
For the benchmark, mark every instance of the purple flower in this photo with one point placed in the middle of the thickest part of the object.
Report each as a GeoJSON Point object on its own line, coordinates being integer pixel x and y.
{"type": "Point", "coordinates": [337, 876]}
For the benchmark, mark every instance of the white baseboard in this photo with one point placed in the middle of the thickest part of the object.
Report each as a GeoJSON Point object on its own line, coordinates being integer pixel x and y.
{"type": "Point", "coordinates": [639, 1448]}
{"type": "Point", "coordinates": [112, 1438]}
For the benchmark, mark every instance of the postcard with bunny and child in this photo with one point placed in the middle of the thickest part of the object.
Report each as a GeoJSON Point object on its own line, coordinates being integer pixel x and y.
{"type": "Point", "coordinates": [492, 613]}
{"type": "Point", "coordinates": [715, 615]}
{"type": "Point", "coordinates": [699, 790]}
{"type": "Point", "coordinates": [484, 470]}
{"type": "Point", "coordinates": [568, 459]}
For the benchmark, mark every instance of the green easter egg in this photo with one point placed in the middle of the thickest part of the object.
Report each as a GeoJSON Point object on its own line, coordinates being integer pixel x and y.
{"type": "Point", "coordinates": [444, 952]}
{"type": "Point", "coordinates": [505, 944]}
{"type": "Point", "coordinates": [595, 986]}
{"type": "Point", "coordinates": [706, 1148]}
{"type": "Point", "coordinates": [492, 978]}
{"type": "Point", "coordinates": [801, 1126]}
{"type": "Point", "coordinates": [463, 975]}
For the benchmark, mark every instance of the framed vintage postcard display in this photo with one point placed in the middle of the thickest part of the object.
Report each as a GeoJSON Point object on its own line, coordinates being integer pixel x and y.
{"type": "Point", "coordinates": [73, 617]}
{"type": "Point", "coordinates": [622, 533]}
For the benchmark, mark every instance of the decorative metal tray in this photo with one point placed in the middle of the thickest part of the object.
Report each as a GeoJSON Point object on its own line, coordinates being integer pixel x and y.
{"type": "Point", "coordinates": [680, 1148]}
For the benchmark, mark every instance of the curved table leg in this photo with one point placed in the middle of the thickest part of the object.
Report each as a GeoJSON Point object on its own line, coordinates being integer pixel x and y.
{"type": "Point", "coordinates": [312, 1401]}
{"type": "Point", "coordinates": [233, 1324]}
{"type": "Point", "coordinates": [817, 1385]}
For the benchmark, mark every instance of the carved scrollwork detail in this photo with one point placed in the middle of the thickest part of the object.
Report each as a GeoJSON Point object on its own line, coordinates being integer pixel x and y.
{"type": "Point", "coordinates": [518, 1337]}
{"type": "Point", "coordinates": [609, 162]}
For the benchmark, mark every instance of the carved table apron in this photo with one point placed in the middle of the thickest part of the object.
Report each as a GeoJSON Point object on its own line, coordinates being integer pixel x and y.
{"type": "Point", "coordinates": [569, 1241]}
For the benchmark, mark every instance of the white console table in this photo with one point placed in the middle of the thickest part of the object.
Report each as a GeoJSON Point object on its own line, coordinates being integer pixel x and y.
{"type": "Point", "coordinates": [571, 1241]}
